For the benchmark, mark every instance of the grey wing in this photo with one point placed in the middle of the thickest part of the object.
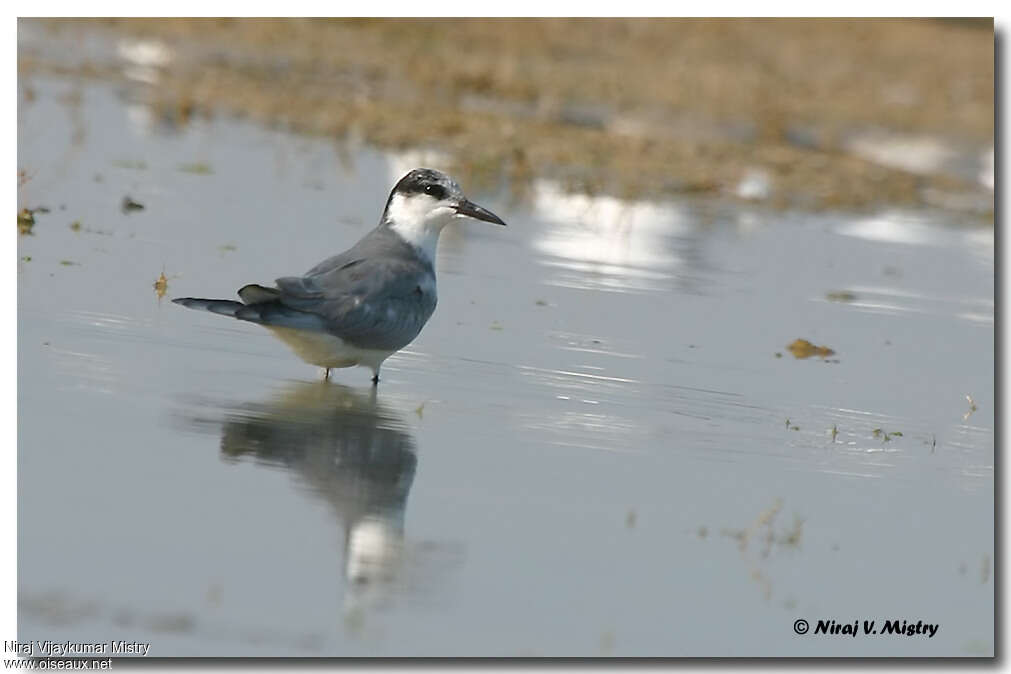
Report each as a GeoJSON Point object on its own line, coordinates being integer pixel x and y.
{"type": "Point", "coordinates": [376, 303]}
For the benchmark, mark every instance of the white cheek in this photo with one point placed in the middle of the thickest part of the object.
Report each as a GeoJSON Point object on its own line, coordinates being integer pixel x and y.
{"type": "Point", "coordinates": [441, 215]}
{"type": "Point", "coordinates": [418, 221]}
{"type": "Point", "coordinates": [413, 209]}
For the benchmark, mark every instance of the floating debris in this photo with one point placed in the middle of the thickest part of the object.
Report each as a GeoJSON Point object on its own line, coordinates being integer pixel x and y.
{"type": "Point", "coordinates": [541, 303]}
{"type": "Point", "coordinates": [886, 436]}
{"type": "Point", "coordinates": [801, 348]}
{"type": "Point", "coordinates": [420, 410]}
{"type": "Point", "coordinates": [778, 354]}
{"type": "Point", "coordinates": [26, 258]}
{"type": "Point", "coordinates": [69, 263]}
{"type": "Point", "coordinates": [985, 570]}
{"type": "Point", "coordinates": [762, 532]}
{"type": "Point", "coordinates": [180, 623]}
{"type": "Point", "coordinates": [198, 168]}
{"type": "Point", "coordinates": [161, 285]}
{"type": "Point", "coordinates": [763, 521]}
{"type": "Point", "coordinates": [133, 164]}
{"type": "Point", "coordinates": [26, 218]}
{"type": "Point", "coordinates": [129, 205]}
{"type": "Point", "coordinates": [972, 408]}
{"type": "Point", "coordinates": [227, 248]}
{"type": "Point", "coordinates": [495, 325]}
{"type": "Point", "coordinates": [834, 432]}
{"type": "Point", "coordinates": [75, 226]}
{"type": "Point", "coordinates": [791, 537]}
{"type": "Point", "coordinates": [702, 532]}
{"type": "Point", "coordinates": [840, 296]}
{"type": "Point", "coordinates": [26, 221]}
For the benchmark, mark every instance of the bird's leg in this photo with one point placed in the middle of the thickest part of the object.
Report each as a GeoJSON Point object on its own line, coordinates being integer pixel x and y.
{"type": "Point", "coordinates": [326, 374]}
{"type": "Point", "coordinates": [375, 376]}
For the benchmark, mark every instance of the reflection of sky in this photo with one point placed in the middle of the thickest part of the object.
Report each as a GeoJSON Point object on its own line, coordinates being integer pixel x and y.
{"type": "Point", "coordinates": [980, 242]}
{"type": "Point", "coordinates": [143, 59]}
{"type": "Point", "coordinates": [891, 300]}
{"type": "Point", "coordinates": [911, 229]}
{"type": "Point", "coordinates": [917, 154]}
{"type": "Point", "coordinates": [986, 167]}
{"type": "Point", "coordinates": [924, 154]}
{"type": "Point", "coordinates": [917, 230]}
{"type": "Point", "coordinates": [610, 243]}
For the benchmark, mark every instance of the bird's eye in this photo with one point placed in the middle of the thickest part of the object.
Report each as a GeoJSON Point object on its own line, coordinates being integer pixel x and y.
{"type": "Point", "coordinates": [436, 191]}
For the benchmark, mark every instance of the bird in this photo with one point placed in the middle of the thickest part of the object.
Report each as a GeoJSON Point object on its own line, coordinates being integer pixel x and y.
{"type": "Point", "coordinates": [363, 305]}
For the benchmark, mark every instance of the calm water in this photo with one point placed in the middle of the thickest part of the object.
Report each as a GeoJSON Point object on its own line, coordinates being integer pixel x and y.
{"type": "Point", "coordinates": [591, 449]}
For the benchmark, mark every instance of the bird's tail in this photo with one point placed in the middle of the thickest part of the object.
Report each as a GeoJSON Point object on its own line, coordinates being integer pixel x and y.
{"type": "Point", "coordinates": [223, 307]}
{"type": "Point", "coordinates": [250, 295]}
{"type": "Point", "coordinates": [254, 313]}
{"type": "Point", "coordinates": [261, 307]}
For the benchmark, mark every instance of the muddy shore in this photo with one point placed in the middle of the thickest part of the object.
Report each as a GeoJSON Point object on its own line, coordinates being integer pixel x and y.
{"type": "Point", "coordinates": [810, 114]}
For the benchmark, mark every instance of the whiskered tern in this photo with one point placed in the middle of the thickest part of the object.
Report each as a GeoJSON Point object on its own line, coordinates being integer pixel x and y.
{"type": "Point", "coordinates": [367, 303]}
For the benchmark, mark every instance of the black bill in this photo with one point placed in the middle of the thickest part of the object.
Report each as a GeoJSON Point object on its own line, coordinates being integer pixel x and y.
{"type": "Point", "coordinates": [472, 210]}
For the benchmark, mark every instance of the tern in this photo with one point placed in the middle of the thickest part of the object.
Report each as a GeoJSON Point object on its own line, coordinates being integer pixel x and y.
{"type": "Point", "coordinates": [365, 304]}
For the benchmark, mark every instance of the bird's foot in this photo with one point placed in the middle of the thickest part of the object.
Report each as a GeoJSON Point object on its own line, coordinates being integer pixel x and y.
{"type": "Point", "coordinates": [326, 374]}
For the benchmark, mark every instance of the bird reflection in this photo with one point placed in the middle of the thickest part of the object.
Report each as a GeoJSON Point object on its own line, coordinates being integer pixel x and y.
{"type": "Point", "coordinates": [353, 453]}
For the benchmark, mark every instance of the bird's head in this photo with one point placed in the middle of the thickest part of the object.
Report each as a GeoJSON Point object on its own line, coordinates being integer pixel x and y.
{"type": "Point", "coordinates": [425, 200]}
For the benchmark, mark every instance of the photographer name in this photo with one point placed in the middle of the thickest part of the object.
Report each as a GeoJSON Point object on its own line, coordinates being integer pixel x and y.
{"type": "Point", "coordinates": [54, 649]}
{"type": "Point", "coordinates": [903, 627]}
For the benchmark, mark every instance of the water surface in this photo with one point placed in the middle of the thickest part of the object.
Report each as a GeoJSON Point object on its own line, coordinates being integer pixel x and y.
{"type": "Point", "coordinates": [599, 445]}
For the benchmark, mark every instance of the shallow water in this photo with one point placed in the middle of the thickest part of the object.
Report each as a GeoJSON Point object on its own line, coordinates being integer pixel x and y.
{"type": "Point", "coordinates": [599, 445]}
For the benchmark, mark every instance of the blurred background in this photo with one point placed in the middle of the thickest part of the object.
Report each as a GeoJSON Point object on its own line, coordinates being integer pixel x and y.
{"type": "Point", "coordinates": [797, 113]}
{"type": "Point", "coordinates": [729, 366]}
